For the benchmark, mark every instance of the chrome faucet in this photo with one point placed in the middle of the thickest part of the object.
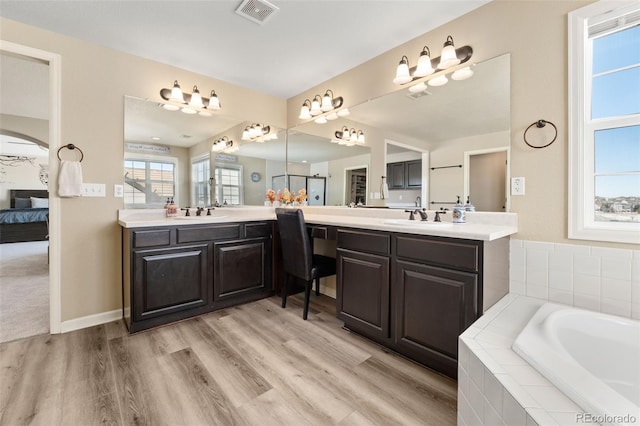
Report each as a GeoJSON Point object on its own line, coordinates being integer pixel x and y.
{"type": "Point", "coordinates": [418, 201]}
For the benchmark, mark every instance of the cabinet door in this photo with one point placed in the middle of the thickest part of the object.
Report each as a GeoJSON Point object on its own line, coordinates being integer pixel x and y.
{"type": "Point", "coordinates": [169, 280]}
{"type": "Point", "coordinates": [363, 293]}
{"type": "Point", "coordinates": [396, 175]}
{"type": "Point", "coordinates": [414, 173]}
{"type": "Point", "coordinates": [241, 270]}
{"type": "Point", "coordinates": [433, 307]}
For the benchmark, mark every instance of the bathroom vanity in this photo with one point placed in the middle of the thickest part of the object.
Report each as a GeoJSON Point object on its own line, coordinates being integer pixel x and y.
{"type": "Point", "coordinates": [413, 287]}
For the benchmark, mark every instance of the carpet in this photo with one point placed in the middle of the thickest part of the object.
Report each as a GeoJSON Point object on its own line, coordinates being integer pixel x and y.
{"type": "Point", "coordinates": [24, 290]}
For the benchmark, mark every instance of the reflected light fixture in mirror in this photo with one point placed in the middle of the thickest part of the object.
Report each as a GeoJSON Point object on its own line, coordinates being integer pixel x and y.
{"type": "Point", "coordinates": [323, 108]}
{"type": "Point", "coordinates": [189, 103]}
{"type": "Point", "coordinates": [449, 57]}
{"type": "Point", "coordinates": [224, 144]}
{"type": "Point", "coordinates": [258, 133]}
{"type": "Point", "coordinates": [349, 137]}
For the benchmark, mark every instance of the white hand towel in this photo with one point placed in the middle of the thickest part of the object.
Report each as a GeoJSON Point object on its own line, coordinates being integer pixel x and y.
{"type": "Point", "coordinates": [70, 179]}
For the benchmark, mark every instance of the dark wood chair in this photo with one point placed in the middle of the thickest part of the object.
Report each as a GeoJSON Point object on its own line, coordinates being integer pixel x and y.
{"type": "Point", "coordinates": [297, 255]}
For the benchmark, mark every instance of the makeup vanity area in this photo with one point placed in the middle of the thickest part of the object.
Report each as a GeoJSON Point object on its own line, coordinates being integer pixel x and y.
{"type": "Point", "coordinates": [411, 286]}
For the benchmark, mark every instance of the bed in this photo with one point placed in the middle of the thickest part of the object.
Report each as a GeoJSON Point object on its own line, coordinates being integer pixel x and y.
{"type": "Point", "coordinates": [26, 220]}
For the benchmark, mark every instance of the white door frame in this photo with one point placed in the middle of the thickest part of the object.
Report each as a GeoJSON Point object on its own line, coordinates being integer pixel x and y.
{"type": "Point", "coordinates": [54, 60]}
{"type": "Point", "coordinates": [467, 163]}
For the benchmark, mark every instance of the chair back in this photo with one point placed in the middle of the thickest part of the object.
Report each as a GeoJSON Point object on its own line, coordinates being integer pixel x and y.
{"type": "Point", "coordinates": [297, 255]}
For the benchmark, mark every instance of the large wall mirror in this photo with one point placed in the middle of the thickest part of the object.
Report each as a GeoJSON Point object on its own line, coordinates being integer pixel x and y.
{"type": "Point", "coordinates": [440, 143]}
{"type": "Point", "coordinates": [168, 154]}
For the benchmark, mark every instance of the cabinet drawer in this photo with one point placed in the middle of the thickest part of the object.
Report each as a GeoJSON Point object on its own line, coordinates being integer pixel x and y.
{"type": "Point", "coordinates": [257, 230]}
{"type": "Point", "coordinates": [207, 233]}
{"type": "Point", "coordinates": [151, 238]}
{"type": "Point", "coordinates": [463, 255]}
{"type": "Point", "coordinates": [367, 242]}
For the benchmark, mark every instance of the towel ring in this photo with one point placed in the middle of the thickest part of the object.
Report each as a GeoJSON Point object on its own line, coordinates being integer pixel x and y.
{"type": "Point", "coordinates": [540, 124]}
{"type": "Point", "coordinates": [70, 146]}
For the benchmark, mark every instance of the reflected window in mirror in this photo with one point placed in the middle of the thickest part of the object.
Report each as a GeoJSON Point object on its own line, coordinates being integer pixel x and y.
{"type": "Point", "coordinates": [149, 182]}
{"type": "Point", "coordinates": [200, 174]}
{"type": "Point", "coordinates": [228, 185]}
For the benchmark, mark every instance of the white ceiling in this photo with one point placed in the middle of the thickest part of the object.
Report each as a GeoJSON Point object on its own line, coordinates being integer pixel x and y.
{"type": "Point", "coordinates": [305, 43]}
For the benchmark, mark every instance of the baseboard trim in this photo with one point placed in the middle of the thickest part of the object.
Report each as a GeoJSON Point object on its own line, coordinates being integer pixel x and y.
{"type": "Point", "coordinates": [90, 320]}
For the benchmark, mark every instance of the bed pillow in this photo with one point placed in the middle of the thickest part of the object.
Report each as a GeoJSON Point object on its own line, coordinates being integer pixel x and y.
{"type": "Point", "coordinates": [39, 203]}
{"type": "Point", "coordinates": [22, 203]}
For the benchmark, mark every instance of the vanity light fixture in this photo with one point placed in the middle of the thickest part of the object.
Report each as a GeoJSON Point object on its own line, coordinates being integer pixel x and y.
{"type": "Point", "coordinates": [189, 103]}
{"type": "Point", "coordinates": [323, 108]}
{"type": "Point", "coordinates": [349, 137]}
{"type": "Point", "coordinates": [223, 144]}
{"type": "Point", "coordinates": [426, 66]}
{"type": "Point", "coordinates": [258, 133]}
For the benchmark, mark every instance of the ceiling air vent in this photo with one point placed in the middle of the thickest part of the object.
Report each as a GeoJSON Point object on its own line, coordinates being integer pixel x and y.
{"type": "Point", "coordinates": [418, 95]}
{"type": "Point", "coordinates": [258, 11]}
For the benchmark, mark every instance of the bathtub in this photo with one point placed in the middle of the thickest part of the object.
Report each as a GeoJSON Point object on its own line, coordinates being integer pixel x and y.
{"type": "Point", "coordinates": [593, 358]}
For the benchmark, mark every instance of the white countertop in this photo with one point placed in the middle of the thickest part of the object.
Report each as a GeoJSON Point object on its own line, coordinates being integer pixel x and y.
{"type": "Point", "coordinates": [482, 226]}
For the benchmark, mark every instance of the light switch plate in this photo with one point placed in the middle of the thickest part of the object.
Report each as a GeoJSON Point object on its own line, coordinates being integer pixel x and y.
{"type": "Point", "coordinates": [94, 190]}
{"type": "Point", "coordinates": [118, 191]}
{"type": "Point", "coordinates": [517, 186]}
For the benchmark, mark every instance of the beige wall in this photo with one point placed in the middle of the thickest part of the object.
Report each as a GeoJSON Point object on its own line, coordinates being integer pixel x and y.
{"type": "Point", "coordinates": [95, 79]}
{"type": "Point", "coordinates": [94, 82]}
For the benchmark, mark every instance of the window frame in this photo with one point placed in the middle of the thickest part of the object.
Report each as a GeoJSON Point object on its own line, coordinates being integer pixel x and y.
{"type": "Point", "coordinates": [132, 156]}
{"type": "Point", "coordinates": [581, 191]}
{"type": "Point", "coordinates": [207, 182]}
{"type": "Point", "coordinates": [218, 185]}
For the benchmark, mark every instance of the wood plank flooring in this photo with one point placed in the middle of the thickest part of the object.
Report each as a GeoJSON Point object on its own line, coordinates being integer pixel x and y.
{"type": "Point", "coordinates": [255, 364]}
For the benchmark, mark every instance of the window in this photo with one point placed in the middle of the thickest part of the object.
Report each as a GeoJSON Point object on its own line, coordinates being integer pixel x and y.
{"type": "Point", "coordinates": [200, 194]}
{"type": "Point", "coordinates": [604, 114]}
{"type": "Point", "coordinates": [228, 185]}
{"type": "Point", "coordinates": [148, 183]}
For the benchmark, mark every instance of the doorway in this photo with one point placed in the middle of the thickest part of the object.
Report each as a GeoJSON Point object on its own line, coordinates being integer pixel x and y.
{"type": "Point", "coordinates": [355, 190]}
{"type": "Point", "coordinates": [486, 179]}
{"type": "Point", "coordinates": [24, 112]}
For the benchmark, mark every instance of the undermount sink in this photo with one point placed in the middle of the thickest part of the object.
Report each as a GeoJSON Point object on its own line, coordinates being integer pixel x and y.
{"type": "Point", "coordinates": [415, 223]}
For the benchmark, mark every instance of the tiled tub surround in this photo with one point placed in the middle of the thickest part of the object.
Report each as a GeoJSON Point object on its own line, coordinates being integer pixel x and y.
{"type": "Point", "coordinates": [498, 387]}
{"type": "Point", "coordinates": [595, 278]}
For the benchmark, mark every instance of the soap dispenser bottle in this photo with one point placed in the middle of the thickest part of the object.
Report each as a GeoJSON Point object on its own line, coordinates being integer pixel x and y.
{"type": "Point", "coordinates": [172, 209]}
{"type": "Point", "coordinates": [458, 212]}
{"type": "Point", "coordinates": [468, 206]}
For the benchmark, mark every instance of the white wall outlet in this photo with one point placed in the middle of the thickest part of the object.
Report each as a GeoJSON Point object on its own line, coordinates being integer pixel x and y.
{"type": "Point", "coordinates": [376, 195]}
{"type": "Point", "coordinates": [517, 186]}
{"type": "Point", "coordinates": [94, 190]}
{"type": "Point", "coordinates": [118, 191]}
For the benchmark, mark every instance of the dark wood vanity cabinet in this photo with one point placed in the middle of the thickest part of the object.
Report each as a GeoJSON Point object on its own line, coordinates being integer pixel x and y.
{"type": "Point", "coordinates": [175, 272]}
{"type": "Point", "coordinates": [362, 266]}
{"type": "Point", "coordinates": [169, 281]}
{"type": "Point", "coordinates": [413, 294]}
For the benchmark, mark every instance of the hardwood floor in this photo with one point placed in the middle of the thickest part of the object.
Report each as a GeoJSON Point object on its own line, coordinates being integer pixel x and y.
{"type": "Point", "coordinates": [255, 364]}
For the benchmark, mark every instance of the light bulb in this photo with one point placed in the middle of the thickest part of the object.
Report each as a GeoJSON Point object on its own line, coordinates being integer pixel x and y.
{"type": "Point", "coordinates": [305, 114]}
{"type": "Point", "coordinates": [315, 107]}
{"type": "Point", "coordinates": [402, 72]}
{"type": "Point", "coordinates": [320, 120]}
{"type": "Point", "coordinates": [332, 116]}
{"type": "Point", "coordinates": [424, 67]}
{"type": "Point", "coordinates": [327, 102]}
{"type": "Point", "coordinates": [438, 81]}
{"type": "Point", "coordinates": [448, 58]}
{"type": "Point", "coordinates": [462, 74]}
{"type": "Point", "coordinates": [214, 102]}
{"type": "Point", "coordinates": [343, 112]}
{"type": "Point", "coordinates": [176, 93]}
{"type": "Point", "coordinates": [420, 87]}
{"type": "Point", "coordinates": [196, 99]}
{"type": "Point", "coordinates": [170, 107]}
